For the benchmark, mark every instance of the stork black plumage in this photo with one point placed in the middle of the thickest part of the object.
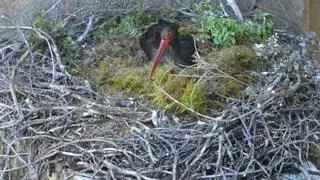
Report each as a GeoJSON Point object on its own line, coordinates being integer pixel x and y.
{"type": "Point", "coordinates": [162, 43]}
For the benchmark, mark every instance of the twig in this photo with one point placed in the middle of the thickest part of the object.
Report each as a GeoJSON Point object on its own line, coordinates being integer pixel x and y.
{"type": "Point", "coordinates": [124, 171]}
{"type": "Point", "coordinates": [88, 28]}
{"type": "Point", "coordinates": [236, 9]}
{"type": "Point", "coordinates": [51, 8]}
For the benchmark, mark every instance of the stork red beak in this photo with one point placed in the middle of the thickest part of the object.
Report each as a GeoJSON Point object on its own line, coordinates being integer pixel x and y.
{"type": "Point", "coordinates": [163, 45]}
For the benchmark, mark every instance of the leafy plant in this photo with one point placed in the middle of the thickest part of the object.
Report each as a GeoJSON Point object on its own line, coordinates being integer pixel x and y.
{"type": "Point", "coordinates": [124, 25]}
{"type": "Point", "coordinates": [226, 31]}
{"type": "Point", "coordinates": [64, 36]}
{"type": "Point", "coordinates": [70, 50]}
{"type": "Point", "coordinates": [39, 23]}
{"type": "Point", "coordinates": [132, 22]}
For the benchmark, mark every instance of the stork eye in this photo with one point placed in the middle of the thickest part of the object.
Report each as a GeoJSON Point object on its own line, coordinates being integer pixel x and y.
{"type": "Point", "coordinates": [167, 36]}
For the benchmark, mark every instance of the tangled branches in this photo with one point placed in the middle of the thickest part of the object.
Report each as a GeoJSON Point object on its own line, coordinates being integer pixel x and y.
{"type": "Point", "coordinates": [54, 124]}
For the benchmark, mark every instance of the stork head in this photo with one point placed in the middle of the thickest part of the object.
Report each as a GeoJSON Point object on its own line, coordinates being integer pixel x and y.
{"type": "Point", "coordinates": [168, 38]}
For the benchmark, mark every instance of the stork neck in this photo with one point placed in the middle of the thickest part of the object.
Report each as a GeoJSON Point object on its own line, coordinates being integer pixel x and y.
{"type": "Point", "coordinates": [177, 56]}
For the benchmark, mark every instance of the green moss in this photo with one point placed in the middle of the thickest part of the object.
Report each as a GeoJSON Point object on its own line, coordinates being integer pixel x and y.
{"type": "Point", "coordinates": [121, 76]}
{"type": "Point", "coordinates": [188, 30]}
{"type": "Point", "coordinates": [231, 88]}
{"type": "Point", "coordinates": [116, 75]}
{"type": "Point", "coordinates": [187, 91]}
{"type": "Point", "coordinates": [236, 60]}
{"type": "Point", "coordinates": [173, 86]}
{"type": "Point", "coordinates": [194, 97]}
{"type": "Point", "coordinates": [107, 69]}
{"type": "Point", "coordinates": [102, 75]}
{"type": "Point", "coordinates": [130, 83]}
{"type": "Point", "coordinates": [163, 72]}
{"type": "Point", "coordinates": [183, 88]}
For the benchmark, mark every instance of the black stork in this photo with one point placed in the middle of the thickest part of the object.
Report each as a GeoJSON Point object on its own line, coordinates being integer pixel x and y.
{"type": "Point", "coordinates": [163, 40]}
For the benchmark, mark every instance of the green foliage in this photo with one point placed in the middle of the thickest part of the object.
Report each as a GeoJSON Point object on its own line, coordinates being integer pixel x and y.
{"type": "Point", "coordinates": [70, 51]}
{"type": "Point", "coordinates": [131, 22]}
{"type": "Point", "coordinates": [98, 35]}
{"type": "Point", "coordinates": [226, 32]}
{"type": "Point", "coordinates": [207, 8]}
{"type": "Point", "coordinates": [42, 24]}
{"type": "Point", "coordinates": [124, 25]}
{"type": "Point", "coordinates": [64, 36]}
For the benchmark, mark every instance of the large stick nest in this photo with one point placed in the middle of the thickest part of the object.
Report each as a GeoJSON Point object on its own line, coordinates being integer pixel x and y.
{"type": "Point", "coordinates": [52, 122]}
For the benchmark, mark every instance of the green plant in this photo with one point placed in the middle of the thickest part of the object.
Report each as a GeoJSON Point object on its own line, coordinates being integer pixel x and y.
{"type": "Point", "coordinates": [194, 97]}
{"type": "Point", "coordinates": [226, 32]}
{"type": "Point", "coordinates": [124, 25]}
{"type": "Point", "coordinates": [39, 23]}
{"type": "Point", "coordinates": [64, 36]}
{"type": "Point", "coordinates": [131, 83]}
{"type": "Point", "coordinates": [69, 49]}
{"type": "Point", "coordinates": [98, 35]}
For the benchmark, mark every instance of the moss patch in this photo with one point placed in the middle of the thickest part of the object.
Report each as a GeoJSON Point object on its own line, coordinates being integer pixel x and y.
{"type": "Point", "coordinates": [194, 97]}
{"type": "Point", "coordinates": [117, 75]}
{"type": "Point", "coordinates": [188, 30]}
{"type": "Point", "coordinates": [236, 60]}
{"type": "Point", "coordinates": [184, 88]}
{"type": "Point", "coordinates": [230, 88]}
{"type": "Point", "coordinates": [170, 84]}
{"type": "Point", "coordinates": [130, 83]}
